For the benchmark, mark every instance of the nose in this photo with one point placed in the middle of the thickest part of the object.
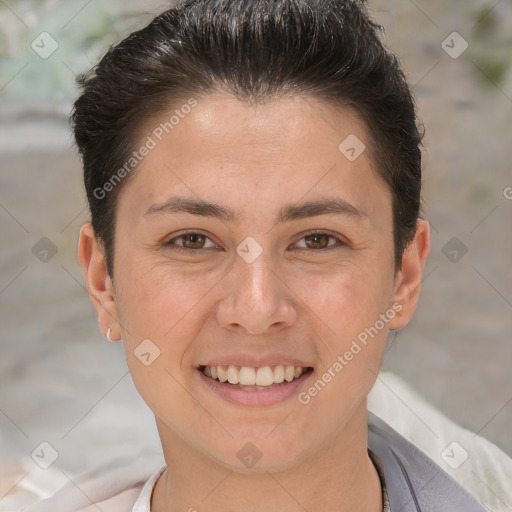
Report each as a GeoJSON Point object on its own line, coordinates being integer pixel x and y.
{"type": "Point", "coordinates": [256, 299]}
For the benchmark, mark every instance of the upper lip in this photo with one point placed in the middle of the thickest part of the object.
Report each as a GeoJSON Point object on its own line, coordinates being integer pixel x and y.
{"type": "Point", "coordinates": [256, 361]}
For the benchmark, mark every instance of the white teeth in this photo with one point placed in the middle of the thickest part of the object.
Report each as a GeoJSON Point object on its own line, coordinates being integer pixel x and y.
{"type": "Point", "coordinates": [247, 376]}
{"type": "Point", "coordinates": [233, 375]}
{"type": "Point", "coordinates": [265, 376]}
{"type": "Point", "coordinates": [254, 378]}
{"type": "Point", "coordinates": [222, 375]}
{"type": "Point", "coordinates": [279, 374]}
{"type": "Point", "coordinates": [289, 373]}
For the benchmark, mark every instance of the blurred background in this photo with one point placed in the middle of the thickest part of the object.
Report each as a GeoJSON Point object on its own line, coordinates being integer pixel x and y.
{"type": "Point", "coordinates": [62, 383]}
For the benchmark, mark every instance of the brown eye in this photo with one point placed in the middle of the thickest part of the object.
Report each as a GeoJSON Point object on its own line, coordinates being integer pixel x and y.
{"type": "Point", "coordinates": [188, 242]}
{"type": "Point", "coordinates": [317, 241]}
{"type": "Point", "coordinates": [193, 241]}
{"type": "Point", "coordinates": [320, 241]}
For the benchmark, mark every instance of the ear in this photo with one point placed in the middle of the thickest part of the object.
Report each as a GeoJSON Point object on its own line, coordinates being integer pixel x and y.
{"type": "Point", "coordinates": [408, 280]}
{"type": "Point", "coordinates": [99, 284]}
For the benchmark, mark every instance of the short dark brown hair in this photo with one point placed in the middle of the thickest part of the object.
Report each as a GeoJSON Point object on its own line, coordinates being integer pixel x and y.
{"type": "Point", "coordinates": [257, 50]}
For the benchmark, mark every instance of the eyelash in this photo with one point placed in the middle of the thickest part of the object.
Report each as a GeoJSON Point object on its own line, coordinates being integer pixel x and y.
{"type": "Point", "coordinates": [184, 250]}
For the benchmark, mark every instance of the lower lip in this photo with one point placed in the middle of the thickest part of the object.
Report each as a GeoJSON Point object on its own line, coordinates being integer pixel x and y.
{"type": "Point", "coordinates": [274, 395]}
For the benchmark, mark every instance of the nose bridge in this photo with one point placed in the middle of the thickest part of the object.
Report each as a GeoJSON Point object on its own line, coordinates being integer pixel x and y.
{"type": "Point", "coordinates": [253, 270]}
{"type": "Point", "coordinates": [256, 282]}
{"type": "Point", "coordinates": [256, 299]}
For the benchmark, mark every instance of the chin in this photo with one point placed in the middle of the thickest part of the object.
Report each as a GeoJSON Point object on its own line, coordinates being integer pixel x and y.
{"type": "Point", "coordinates": [258, 454]}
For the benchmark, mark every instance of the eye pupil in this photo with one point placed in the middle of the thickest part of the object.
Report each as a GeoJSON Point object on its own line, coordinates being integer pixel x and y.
{"type": "Point", "coordinates": [318, 239]}
{"type": "Point", "coordinates": [194, 237]}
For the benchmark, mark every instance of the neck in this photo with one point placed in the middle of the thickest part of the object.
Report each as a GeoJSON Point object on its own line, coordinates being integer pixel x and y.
{"type": "Point", "coordinates": [340, 477]}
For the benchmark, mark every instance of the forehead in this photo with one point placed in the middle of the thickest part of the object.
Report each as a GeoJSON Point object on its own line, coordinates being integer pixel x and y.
{"type": "Point", "coordinates": [227, 127]}
{"type": "Point", "coordinates": [284, 150]}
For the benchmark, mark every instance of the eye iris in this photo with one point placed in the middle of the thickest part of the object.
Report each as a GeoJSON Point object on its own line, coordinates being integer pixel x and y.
{"type": "Point", "coordinates": [193, 237]}
{"type": "Point", "coordinates": [316, 237]}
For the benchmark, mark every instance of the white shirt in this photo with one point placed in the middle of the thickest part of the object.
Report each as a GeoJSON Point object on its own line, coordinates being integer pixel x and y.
{"type": "Point", "coordinates": [143, 503]}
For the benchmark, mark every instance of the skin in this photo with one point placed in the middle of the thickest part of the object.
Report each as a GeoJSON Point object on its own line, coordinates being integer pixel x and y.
{"type": "Point", "coordinates": [306, 297]}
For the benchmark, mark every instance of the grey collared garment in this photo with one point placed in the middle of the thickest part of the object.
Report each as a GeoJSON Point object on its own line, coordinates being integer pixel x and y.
{"type": "Point", "coordinates": [413, 481]}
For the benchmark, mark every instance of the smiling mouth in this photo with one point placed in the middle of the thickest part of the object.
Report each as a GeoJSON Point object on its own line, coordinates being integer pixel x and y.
{"type": "Point", "coordinates": [255, 379]}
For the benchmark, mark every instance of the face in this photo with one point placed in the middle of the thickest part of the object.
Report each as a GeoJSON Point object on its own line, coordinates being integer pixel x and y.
{"type": "Point", "coordinates": [247, 238]}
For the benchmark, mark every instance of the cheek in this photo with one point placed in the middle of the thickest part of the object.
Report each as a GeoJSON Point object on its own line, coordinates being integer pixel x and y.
{"type": "Point", "coordinates": [347, 301]}
{"type": "Point", "coordinates": [159, 311]}
{"type": "Point", "coordinates": [350, 305]}
{"type": "Point", "coordinates": [152, 292]}
{"type": "Point", "coordinates": [163, 304]}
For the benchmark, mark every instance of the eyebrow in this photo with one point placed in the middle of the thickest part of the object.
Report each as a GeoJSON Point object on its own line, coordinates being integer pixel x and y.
{"type": "Point", "coordinates": [328, 206]}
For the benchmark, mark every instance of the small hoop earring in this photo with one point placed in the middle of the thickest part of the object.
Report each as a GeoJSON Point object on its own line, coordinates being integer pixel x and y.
{"type": "Point", "coordinates": [108, 334]}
